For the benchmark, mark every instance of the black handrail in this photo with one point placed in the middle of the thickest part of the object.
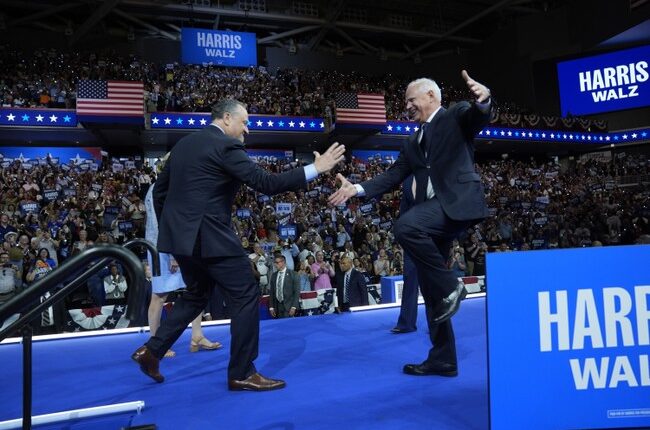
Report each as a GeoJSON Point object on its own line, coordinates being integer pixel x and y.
{"type": "Point", "coordinates": [32, 294]}
{"type": "Point", "coordinates": [18, 303]}
{"type": "Point", "coordinates": [139, 296]}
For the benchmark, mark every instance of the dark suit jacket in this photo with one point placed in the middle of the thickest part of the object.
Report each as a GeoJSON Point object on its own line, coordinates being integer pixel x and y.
{"type": "Point", "coordinates": [357, 290]}
{"type": "Point", "coordinates": [449, 163]}
{"type": "Point", "coordinates": [195, 191]}
{"type": "Point", "coordinates": [290, 290]}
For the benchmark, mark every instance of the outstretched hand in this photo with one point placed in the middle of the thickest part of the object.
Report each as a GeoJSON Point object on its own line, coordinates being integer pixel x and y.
{"type": "Point", "coordinates": [345, 191]}
{"type": "Point", "coordinates": [480, 91]}
{"type": "Point", "coordinates": [330, 158]}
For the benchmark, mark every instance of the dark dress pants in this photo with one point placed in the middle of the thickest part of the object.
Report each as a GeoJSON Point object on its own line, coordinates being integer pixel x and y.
{"type": "Point", "coordinates": [426, 234]}
{"type": "Point", "coordinates": [408, 313]}
{"type": "Point", "coordinates": [441, 335]}
{"type": "Point", "coordinates": [234, 277]}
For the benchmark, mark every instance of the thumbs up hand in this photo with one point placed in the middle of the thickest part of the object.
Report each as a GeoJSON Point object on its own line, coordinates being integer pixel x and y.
{"type": "Point", "coordinates": [480, 91]}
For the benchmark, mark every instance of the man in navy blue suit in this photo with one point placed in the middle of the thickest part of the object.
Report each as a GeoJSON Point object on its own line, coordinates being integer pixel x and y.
{"type": "Point", "coordinates": [449, 196]}
{"type": "Point", "coordinates": [193, 197]}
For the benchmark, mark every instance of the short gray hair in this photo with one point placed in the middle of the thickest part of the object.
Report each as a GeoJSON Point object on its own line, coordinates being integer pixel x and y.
{"type": "Point", "coordinates": [427, 84]}
{"type": "Point", "coordinates": [226, 105]}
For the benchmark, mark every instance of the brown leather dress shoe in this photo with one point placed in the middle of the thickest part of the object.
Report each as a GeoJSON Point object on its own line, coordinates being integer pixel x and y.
{"type": "Point", "coordinates": [148, 363]}
{"type": "Point", "coordinates": [256, 382]}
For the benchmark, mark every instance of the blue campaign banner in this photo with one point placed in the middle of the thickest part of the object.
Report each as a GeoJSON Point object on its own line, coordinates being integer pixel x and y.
{"type": "Point", "coordinates": [223, 48]}
{"type": "Point", "coordinates": [243, 213]}
{"type": "Point", "coordinates": [57, 155]}
{"type": "Point", "coordinates": [368, 155]}
{"type": "Point", "coordinates": [569, 338]}
{"type": "Point", "coordinates": [403, 128]}
{"type": "Point", "coordinates": [287, 231]}
{"type": "Point", "coordinates": [269, 155]}
{"type": "Point", "coordinates": [604, 83]}
{"type": "Point", "coordinates": [199, 120]}
{"type": "Point", "coordinates": [38, 117]}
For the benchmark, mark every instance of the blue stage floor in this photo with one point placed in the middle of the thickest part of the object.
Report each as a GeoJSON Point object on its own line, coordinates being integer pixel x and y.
{"type": "Point", "coordinates": [342, 371]}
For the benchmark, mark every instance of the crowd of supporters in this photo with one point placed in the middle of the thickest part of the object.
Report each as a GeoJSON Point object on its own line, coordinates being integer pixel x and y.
{"type": "Point", "coordinates": [51, 212]}
{"type": "Point", "coordinates": [49, 79]}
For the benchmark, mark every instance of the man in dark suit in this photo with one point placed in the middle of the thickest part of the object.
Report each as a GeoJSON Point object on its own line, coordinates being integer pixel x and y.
{"type": "Point", "coordinates": [351, 289]}
{"type": "Point", "coordinates": [442, 355]}
{"type": "Point", "coordinates": [449, 195]}
{"type": "Point", "coordinates": [193, 198]}
{"type": "Point", "coordinates": [284, 290]}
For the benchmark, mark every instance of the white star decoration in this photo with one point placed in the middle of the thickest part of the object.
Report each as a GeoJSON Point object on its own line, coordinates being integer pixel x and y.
{"type": "Point", "coordinates": [168, 121]}
{"type": "Point", "coordinates": [39, 118]}
{"type": "Point", "coordinates": [203, 121]}
{"type": "Point", "coordinates": [191, 121]}
{"type": "Point", "coordinates": [11, 117]}
{"type": "Point", "coordinates": [154, 120]}
{"type": "Point", "coordinates": [53, 118]}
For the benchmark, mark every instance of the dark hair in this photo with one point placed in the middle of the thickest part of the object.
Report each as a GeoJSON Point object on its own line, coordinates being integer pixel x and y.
{"type": "Point", "coordinates": [220, 108]}
{"type": "Point", "coordinates": [281, 257]}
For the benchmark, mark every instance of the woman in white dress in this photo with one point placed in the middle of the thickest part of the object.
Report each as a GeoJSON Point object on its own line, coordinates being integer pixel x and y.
{"type": "Point", "coordinates": [170, 279]}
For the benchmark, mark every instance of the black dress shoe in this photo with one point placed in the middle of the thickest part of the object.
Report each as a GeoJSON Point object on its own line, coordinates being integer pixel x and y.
{"type": "Point", "coordinates": [439, 369]}
{"type": "Point", "coordinates": [148, 363]}
{"type": "Point", "coordinates": [255, 382]}
{"type": "Point", "coordinates": [450, 304]}
{"type": "Point", "coordinates": [397, 330]}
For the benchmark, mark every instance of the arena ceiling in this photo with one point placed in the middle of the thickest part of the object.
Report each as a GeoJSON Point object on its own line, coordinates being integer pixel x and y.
{"type": "Point", "coordinates": [417, 29]}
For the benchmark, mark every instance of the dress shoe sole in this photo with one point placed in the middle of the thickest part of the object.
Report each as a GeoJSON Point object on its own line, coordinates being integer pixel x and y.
{"type": "Point", "coordinates": [269, 388]}
{"type": "Point", "coordinates": [401, 331]}
{"type": "Point", "coordinates": [448, 373]}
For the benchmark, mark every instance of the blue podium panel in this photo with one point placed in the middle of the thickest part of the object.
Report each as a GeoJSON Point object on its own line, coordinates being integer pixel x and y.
{"type": "Point", "coordinates": [391, 288]}
{"type": "Point", "coordinates": [568, 338]}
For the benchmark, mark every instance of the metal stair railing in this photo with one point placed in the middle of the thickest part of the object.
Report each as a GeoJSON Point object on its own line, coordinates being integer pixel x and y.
{"type": "Point", "coordinates": [71, 266]}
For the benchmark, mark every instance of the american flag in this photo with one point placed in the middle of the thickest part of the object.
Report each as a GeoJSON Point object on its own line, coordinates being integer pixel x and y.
{"type": "Point", "coordinates": [120, 98]}
{"type": "Point", "coordinates": [360, 108]}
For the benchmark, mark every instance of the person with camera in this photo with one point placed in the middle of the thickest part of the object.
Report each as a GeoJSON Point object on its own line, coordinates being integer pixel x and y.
{"type": "Point", "coordinates": [322, 271]}
{"type": "Point", "coordinates": [457, 260]}
{"type": "Point", "coordinates": [114, 285]}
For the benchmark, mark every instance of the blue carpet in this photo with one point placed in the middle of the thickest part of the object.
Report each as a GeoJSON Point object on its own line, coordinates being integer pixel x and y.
{"type": "Point", "coordinates": [342, 371]}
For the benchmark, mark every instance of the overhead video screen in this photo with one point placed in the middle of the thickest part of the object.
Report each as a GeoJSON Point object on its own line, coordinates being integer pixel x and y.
{"type": "Point", "coordinates": [605, 83]}
{"type": "Point", "coordinates": [223, 48]}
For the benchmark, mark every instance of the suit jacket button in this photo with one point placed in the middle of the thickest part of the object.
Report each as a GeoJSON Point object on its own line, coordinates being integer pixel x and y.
{"type": "Point", "coordinates": [428, 166]}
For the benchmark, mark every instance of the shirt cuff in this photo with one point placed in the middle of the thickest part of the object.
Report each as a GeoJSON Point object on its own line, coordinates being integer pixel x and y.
{"type": "Point", "coordinates": [360, 191]}
{"type": "Point", "coordinates": [310, 172]}
{"type": "Point", "coordinates": [484, 106]}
